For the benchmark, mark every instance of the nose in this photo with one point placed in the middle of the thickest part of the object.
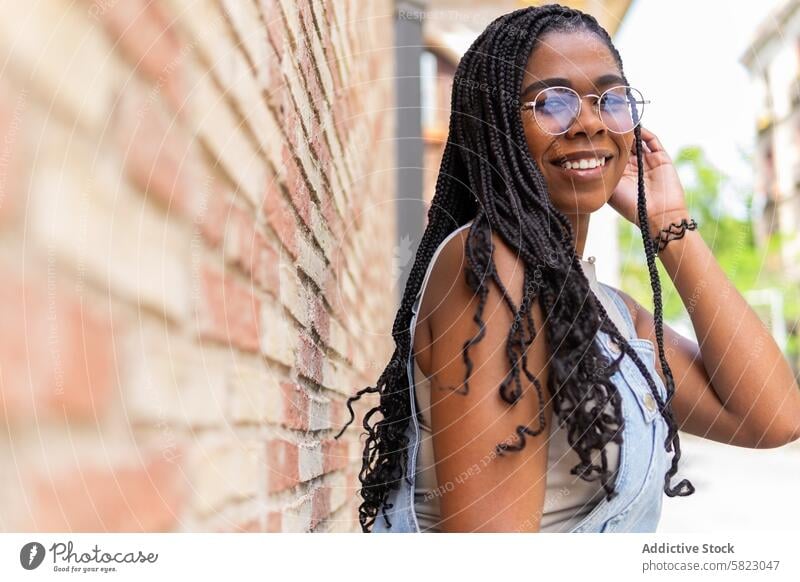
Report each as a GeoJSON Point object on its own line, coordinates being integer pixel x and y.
{"type": "Point", "coordinates": [588, 121]}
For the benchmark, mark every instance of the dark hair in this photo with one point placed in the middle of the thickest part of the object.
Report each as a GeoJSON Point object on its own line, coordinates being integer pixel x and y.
{"type": "Point", "coordinates": [487, 175]}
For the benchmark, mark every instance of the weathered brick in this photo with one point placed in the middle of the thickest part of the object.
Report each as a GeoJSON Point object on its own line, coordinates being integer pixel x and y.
{"type": "Point", "coordinates": [298, 190]}
{"type": "Point", "coordinates": [248, 248]}
{"type": "Point", "coordinates": [336, 454]}
{"type": "Point", "coordinates": [279, 217]}
{"type": "Point", "coordinates": [309, 358]}
{"type": "Point", "coordinates": [227, 310]}
{"type": "Point", "coordinates": [320, 505]}
{"type": "Point", "coordinates": [283, 465]}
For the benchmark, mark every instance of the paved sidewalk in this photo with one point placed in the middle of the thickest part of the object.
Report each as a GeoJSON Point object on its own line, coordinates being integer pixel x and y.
{"type": "Point", "coordinates": [736, 488]}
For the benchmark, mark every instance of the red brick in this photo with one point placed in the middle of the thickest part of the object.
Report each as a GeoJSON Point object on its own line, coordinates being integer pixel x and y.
{"type": "Point", "coordinates": [339, 117]}
{"type": "Point", "coordinates": [324, 157]}
{"type": "Point", "coordinates": [309, 358]}
{"type": "Point", "coordinates": [254, 254]}
{"type": "Point", "coordinates": [143, 32]}
{"type": "Point", "coordinates": [159, 157]}
{"type": "Point", "coordinates": [306, 17]}
{"type": "Point", "coordinates": [315, 135]}
{"type": "Point", "coordinates": [335, 454]}
{"type": "Point", "coordinates": [333, 65]}
{"type": "Point", "coordinates": [301, 199]}
{"type": "Point", "coordinates": [283, 465]}
{"type": "Point", "coordinates": [290, 119]}
{"type": "Point", "coordinates": [215, 218]}
{"type": "Point", "coordinates": [276, 31]}
{"type": "Point", "coordinates": [274, 522]}
{"type": "Point", "coordinates": [56, 354]}
{"type": "Point", "coordinates": [277, 87]}
{"type": "Point", "coordinates": [296, 404]}
{"type": "Point", "coordinates": [320, 505]}
{"type": "Point", "coordinates": [227, 311]}
{"type": "Point", "coordinates": [279, 217]}
{"type": "Point", "coordinates": [332, 218]}
{"type": "Point", "coordinates": [320, 319]}
{"type": "Point", "coordinates": [298, 190]}
{"type": "Point", "coordinates": [269, 271]}
{"type": "Point", "coordinates": [324, 31]}
{"type": "Point", "coordinates": [338, 412]}
{"type": "Point", "coordinates": [124, 498]}
{"type": "Point", "coordinates": [331, 289]}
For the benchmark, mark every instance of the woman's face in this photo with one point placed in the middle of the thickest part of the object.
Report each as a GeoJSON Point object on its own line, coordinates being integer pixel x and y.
{"type": "Point", "coordinates": [582, 61]}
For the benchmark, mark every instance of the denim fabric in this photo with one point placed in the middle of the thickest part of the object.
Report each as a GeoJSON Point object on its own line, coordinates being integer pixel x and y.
{"type": "Point", "coordinates": [643, 458]}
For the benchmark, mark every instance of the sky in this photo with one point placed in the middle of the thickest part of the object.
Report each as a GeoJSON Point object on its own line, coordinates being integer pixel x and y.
{"type": "Point", "coordinates": [687, 51]}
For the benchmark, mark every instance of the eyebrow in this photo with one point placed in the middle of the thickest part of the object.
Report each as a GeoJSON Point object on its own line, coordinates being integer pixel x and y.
{"type": "Point", "coordinates": [601, 81]}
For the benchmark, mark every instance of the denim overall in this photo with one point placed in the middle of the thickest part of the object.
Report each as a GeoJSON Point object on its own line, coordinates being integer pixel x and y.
{"type": "Point", "coordinates": [643, 460]}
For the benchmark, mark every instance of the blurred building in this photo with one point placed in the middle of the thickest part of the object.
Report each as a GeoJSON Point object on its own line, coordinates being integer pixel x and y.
{"type": "Point", "coordinates": [773, 61]}
{"type": "Point", "coordinates": [450, 27]}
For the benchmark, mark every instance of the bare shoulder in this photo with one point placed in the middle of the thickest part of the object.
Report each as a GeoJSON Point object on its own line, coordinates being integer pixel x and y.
{"type": "Point", "coordinates": [447, 282]}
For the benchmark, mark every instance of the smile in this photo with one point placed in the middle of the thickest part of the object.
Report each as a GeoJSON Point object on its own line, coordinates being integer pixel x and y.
{"type": "Point", "coordinates": [584, 169]}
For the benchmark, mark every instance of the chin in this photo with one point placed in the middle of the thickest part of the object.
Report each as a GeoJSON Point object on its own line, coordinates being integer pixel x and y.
{"type": "Point", "coordinates": [577, 202]}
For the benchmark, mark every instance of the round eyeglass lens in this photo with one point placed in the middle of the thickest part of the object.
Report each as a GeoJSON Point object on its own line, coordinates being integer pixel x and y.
{"type": "Point", "coordinates": [555, 109]}
{"type": "Point", "coordinates": [621, 109]}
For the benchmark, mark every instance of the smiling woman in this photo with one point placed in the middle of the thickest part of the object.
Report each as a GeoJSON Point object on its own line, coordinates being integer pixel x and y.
{"type": "Point", "coordinates": [487, 424]}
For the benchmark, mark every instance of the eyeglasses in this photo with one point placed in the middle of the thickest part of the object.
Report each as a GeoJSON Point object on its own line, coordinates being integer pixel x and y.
{"type": "Point", "coordinates": [555, 109]}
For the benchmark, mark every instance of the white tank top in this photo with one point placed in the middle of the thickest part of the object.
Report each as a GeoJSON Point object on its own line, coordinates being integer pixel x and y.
{"type": "Point", "coordinates": [568, 498]}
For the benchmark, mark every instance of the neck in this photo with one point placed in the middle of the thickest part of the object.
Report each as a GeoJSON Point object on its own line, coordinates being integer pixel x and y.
{"type": "Point", "coordinates": [580, 228]}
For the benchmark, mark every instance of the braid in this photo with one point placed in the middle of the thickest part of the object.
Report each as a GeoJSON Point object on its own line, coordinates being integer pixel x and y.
{"type": "Point", "coordinates": [487, 175]}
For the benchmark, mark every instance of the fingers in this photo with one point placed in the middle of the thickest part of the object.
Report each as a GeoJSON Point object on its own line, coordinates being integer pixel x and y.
{"type": "Point", "coordinates": [645, 149]}
{"type": "Point", "coordinates": [651, 141]}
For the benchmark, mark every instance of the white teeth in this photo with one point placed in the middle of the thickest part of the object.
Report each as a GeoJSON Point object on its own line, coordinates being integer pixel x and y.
{"type": "Point", "coordinates": [584, 164]}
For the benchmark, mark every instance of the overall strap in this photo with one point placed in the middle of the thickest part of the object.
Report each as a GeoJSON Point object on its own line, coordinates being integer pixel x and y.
{"type": "Point", "coordinates": [622, 307]}
{"type": "Point", "coordinates": [415, 307]}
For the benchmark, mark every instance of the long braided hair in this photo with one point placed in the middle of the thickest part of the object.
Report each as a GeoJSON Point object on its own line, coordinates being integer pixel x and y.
{"type": "Point", "coordinates": [488, 176]}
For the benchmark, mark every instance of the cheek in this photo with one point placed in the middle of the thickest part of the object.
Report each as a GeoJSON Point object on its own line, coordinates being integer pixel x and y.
{"type": "Point", "coordinates": [536, 147]}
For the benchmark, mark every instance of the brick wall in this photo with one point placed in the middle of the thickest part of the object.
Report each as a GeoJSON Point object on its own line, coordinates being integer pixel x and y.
{"type": "Point", "coordinates": [196, 244]}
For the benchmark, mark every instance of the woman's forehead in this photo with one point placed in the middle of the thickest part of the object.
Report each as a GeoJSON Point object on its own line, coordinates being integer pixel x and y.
{"type": "Point", "coordinates": [565, 49]}
{"type": "Point", "coordinates": [581, 57]}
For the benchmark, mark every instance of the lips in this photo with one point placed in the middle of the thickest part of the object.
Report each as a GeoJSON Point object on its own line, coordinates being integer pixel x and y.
{"type": "Point", "coordinates": [588, 174]}
{"type": "Point", "coordinates": [588, 154]}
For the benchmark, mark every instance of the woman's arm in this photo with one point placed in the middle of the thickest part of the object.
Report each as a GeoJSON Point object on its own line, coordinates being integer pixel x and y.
{"type": "Point", "coordinates": [735, 386]}
{"type": "Point", "coordinates": [482, 491]}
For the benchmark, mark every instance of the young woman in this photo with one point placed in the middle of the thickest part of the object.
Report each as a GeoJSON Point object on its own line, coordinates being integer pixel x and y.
{"type": "Point", "coordinates": [486, 423]}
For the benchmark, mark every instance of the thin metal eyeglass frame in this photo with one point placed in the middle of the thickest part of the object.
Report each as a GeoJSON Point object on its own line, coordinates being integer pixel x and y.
{"type": "Point", "coordinates": [596, 106]}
